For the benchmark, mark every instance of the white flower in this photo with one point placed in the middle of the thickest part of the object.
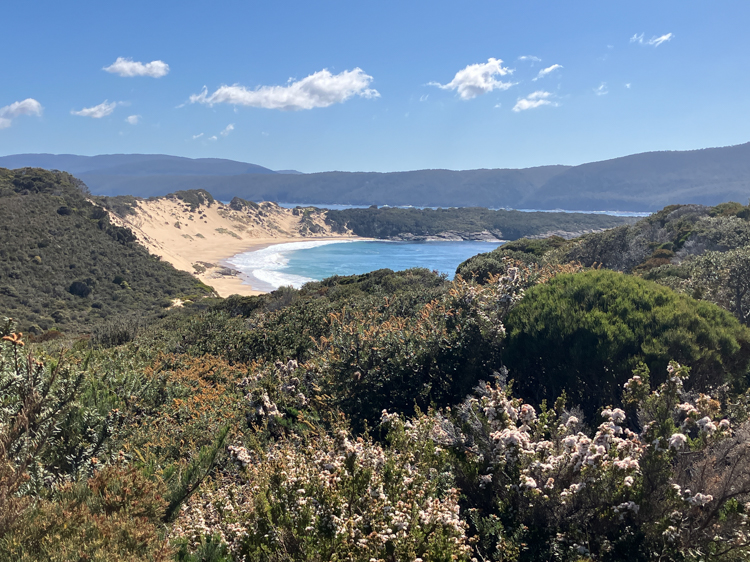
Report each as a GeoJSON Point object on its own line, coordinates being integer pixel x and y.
{"type": "Point", "coordinates": [528, 482]}
{"type": "Point", "coordinates": [627, 463]}
{"type": "Point", "coordinates": [677, 441]}
{"type": "Point", "coordinates": [575, 488]}
{"type": "Point", "coordinates": [528, 414]}
{"type": "Point", "coordinates": [617, 416]}
{"type": "Point", "coordinates": [570, 442]}
{"type": "Point", "coordinates": [686, 409]}
{"type": "Point", "coordinates": [700, 500]}
{"type": "Point", "coordinates": [627, 506]}
{"type": "Point", "coordinates": [706, 425]}
{"type": "Point", "coordinates": [633, 381]}
{"type": "Point", "coordinates": [671, 533]}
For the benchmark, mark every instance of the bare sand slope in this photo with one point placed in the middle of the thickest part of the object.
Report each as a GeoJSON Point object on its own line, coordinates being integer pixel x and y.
{"type": "Point", "coordinates": [197, 239]}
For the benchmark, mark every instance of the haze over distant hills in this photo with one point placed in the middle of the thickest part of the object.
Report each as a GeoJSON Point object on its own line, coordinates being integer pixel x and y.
{"type": "Point", "coordinates": [640, 182]}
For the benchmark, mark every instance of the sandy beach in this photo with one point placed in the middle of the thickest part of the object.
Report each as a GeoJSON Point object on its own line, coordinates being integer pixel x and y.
{"type": "Point", "coordinates": [226, 285]}
{"type": "Point", "coordinates": [200, 240]}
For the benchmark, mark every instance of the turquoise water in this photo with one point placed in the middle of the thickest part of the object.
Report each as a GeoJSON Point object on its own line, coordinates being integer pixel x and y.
{"type": "Point", "coordinates": [297, 263]}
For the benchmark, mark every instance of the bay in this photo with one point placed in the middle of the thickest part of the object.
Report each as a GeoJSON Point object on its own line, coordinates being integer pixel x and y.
{"type": "Point", "coordinates": [297, 263]}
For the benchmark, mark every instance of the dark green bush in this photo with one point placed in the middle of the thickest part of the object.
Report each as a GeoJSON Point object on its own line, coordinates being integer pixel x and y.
{"type": "Point", "coordinates": [583, 334]}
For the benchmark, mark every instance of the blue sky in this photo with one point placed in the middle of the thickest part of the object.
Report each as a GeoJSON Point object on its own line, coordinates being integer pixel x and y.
{"type": "Point", "coordinates": [375, 86]}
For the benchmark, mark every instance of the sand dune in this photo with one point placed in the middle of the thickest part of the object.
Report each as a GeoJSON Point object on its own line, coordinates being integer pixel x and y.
{"type": "Point", "coordinates": [199, 240]}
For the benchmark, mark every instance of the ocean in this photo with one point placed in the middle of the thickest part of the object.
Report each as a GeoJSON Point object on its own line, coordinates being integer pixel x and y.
{"type": "Point", "coordinates": [297, 263]}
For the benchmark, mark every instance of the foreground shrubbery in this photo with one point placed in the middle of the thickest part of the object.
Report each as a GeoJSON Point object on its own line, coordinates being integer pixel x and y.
{"type": "Point", "coordinates": [371, 417]}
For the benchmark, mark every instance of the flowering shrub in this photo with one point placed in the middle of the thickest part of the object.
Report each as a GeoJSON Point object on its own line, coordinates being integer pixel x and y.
{"type": "Point", "coordinates": [538, 486]}
{"type": "Point", "coordinates": [719, 277]}
{"type": "Point", "coordinates": [185, 402]}
{"type": "Point", "coordinates": [332, 498]}
{"type": "Point", "coordinates": [55, 503]}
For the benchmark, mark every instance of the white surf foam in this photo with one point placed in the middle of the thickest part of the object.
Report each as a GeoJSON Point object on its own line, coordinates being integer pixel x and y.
{"type": "Point", "coordinates": [267, 265]}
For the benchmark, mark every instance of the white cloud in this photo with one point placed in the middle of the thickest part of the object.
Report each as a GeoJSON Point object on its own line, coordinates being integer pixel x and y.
{"type": "Point", "coordinates": [477, 79]}
{"type": "Point", "coordinates": [531, 58]}
{"type": "Point", "coordinates": [127, 67]}
{"type": "Point", "coordinates": [533, 100]}
{"type": "Point", "coordinates": [627, 85]}
{"type": "Point", "coordinates": [228, 129]}
{"type": "Point", "coordinates": [424, 97]}
{"type": "Point", "coordinates": [654, 41]}
{"type": "Point", "coordinates": [320, 89]}
{"type": "Point", "coordinates": [199, 135]}
{"type": "Point", "coordinates": [98, 111]}
{"type": "Point", "coordinates": [133, 119]}
{"type": "Point", "coordinates": [601, 89]}
{"type": "Point", "coordinates": [545, 71]}
{"type": "Point", "coordinates": [29, 106]}
{"type": "Point", "coordinates": [213, 138]}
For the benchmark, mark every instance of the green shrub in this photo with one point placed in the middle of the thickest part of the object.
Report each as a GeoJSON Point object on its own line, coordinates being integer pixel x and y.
{"type": "Point", "coordinates": [583, 334]}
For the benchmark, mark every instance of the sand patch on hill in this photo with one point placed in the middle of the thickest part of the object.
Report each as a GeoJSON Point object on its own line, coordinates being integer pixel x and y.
{"type": "Point", "coordinates": [199, 239]}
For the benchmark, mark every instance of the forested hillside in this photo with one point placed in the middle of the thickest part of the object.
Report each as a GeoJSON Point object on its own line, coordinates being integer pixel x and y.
{"type": "Point", "coordinates": [64, 266]}
{"type": "Point", "coordinates": [638, 182]}
{"type": "Point", "coordinates": [467, 222]}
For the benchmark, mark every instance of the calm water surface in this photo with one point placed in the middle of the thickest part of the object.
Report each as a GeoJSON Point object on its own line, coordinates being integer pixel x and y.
{"type": "Point", "coordinates": [297, 263]}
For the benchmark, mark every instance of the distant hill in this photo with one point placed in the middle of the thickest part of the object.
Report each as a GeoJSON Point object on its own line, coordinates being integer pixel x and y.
{"type": "Point", "coordinates": [133, 165]}
{"type": "Point", "coordinates": [65, 266]}
{"type": "Point", "coordinates": [640, 182]}
{"type": "Point", "coordinates": [650, 181]}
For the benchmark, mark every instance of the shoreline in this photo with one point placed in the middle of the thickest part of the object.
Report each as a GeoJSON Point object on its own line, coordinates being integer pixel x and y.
{"type": "Point", "coordinates": [239, 283]}
{"type": "Point", "coordinates": [200, 238]}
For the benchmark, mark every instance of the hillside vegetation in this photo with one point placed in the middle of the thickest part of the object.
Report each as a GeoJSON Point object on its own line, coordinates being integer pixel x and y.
{"type": "Point", "coordinates": [467, 222]}
{"type": "Point", "coordinates": [545, 409]}
{"type": "Point", "coordinates": [63, 264]}
{"type": "Point", "coordinates": [370, 417]}
{"type": "Point", "coordinates": [700, 251]}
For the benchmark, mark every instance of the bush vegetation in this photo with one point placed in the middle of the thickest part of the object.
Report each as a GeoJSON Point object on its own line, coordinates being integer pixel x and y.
{"type": "Point", "coordinates": [537, 415]}
{"type": "Point", "coordinates": [697, 250]}
{"type": "Point", "coordinates": [349, 419]}
{"type": "Point", "coordinates": [64, 266]}
{"type": "Point", "coordinates": [584, 334]}
{"type": "Point", "coordinates": [392, 222]}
